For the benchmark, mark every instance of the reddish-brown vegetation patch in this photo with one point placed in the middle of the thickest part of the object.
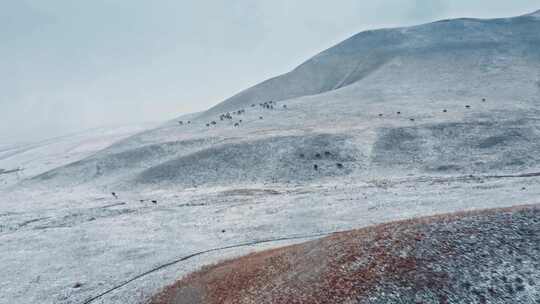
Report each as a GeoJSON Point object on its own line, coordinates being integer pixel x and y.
{"type": "Point", "coordinates": [427, 260]}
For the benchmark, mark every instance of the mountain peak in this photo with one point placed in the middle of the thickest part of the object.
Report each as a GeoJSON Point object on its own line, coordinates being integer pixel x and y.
{"type": "Point", "coordinates": [535, 14]}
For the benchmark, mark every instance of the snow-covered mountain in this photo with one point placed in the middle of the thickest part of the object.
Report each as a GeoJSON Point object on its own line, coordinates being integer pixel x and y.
{"type": "Point", "coordinates": [390, 124]}
{"type": "Point", "coordinates": [467, 92]}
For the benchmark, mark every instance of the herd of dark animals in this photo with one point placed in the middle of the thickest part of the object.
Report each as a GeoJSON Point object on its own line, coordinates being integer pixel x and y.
{"type": "Point", "coordinates": [269, 105]}
{"type": "Point", "coordinates": [115, 195]}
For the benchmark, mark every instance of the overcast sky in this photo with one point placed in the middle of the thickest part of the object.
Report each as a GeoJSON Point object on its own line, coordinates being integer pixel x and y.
{"type": "Point", "coordinates": [69, 65]}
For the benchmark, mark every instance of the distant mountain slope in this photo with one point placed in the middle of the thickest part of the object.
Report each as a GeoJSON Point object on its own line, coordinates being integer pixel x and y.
{"type": "Point", "coordinates": [535, 14]}
{"type": "Point", "coordinates": [39, 157]}
{"type": "Point", "coordinates": [450, 97]}
{"type": "Point", "coordinates": [474, 44]}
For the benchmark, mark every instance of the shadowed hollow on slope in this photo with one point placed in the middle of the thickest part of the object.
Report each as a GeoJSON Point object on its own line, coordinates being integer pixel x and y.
{"type": "Point", "coordinates": [464, 147]}
{"type": "Point", "coordinates": [283, 159]}
{"type": "Point", "coordinates": [108, 164]}
{"type": "Point", "coordinates": [477, 257]}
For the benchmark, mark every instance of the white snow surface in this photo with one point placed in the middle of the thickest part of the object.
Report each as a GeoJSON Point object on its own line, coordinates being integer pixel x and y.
{"type": "Point", "coordinates": [223, 185]}
{"type": "Point", "coordinates": [39, 157]}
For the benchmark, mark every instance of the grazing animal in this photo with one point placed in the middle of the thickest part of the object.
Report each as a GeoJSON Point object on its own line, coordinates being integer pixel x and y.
{"type": "Point", "coordinates": [315, 167]}
{"type": "Point", "coordinates": [154, 201]}
{"type": "Point", "coordinates": [327, 153]}
{"type": "Point", "coordinates": [339, 165]}
{"type": "Point", "coordinates": [412, 119]}
{"type": "Point", "coordinates": [181, 122]}
{"type": "Point", "coordinates": [398, 113]}
{"type": "Point", "coordinates": [189, 121]}
{"type": "Point", "coordinates": [114, 194]}
{"type": "Point", "coordinates": [318, 155]}
{"type": "Point", "coordinates": [260, 117]}
{"type": "Point", "coordinates": [483, 100]}
{"type": "Point", "coordinates": [468, 106]}
{"type": "Point", "coordinates": [444, 111]}
{"type": "Point", "coordinates": [236, 124]}
{"type": "Point", "coordinates": [284, 106]}
{"type": "Point", "coordinates": [380, 115]}
{"type": "Point", "coordinates": [302, 155]}
{"type": "Point", "coordinates": [208, 125]}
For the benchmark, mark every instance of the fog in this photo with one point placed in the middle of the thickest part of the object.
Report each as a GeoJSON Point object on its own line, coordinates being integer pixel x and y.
{"type": "Point", "coordinates": [66, 66]}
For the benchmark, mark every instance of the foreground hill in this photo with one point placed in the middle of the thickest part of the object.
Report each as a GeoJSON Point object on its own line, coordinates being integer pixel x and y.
{"type": "Point", "coordinates": [477, 257]}
{"type": "Point", "coordinates": [450, 97]}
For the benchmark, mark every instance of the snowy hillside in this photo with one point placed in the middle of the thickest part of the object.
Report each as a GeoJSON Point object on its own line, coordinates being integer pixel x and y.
{"type": "Point", "coordinates": [20, 161]}
{"type": "Point", "coordinates": [450, 97]}
{"type": "Point", "coordinates": [389, 124]}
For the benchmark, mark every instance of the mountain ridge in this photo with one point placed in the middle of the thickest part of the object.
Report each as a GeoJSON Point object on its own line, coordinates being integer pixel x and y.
{"type": "Point", "coordinates": [326, 72]}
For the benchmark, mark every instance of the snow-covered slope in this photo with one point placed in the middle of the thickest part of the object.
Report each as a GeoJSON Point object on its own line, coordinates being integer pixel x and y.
{"type": "Point", "coordinates": [390, 124]}
{"type": "Point", "coordinates": [30, 159]}
{"type": "Point", "coordinates": [464, 44]}
{"type": "Point", "coordinates": [535, 14]}
{"type": "Point", "coordinates": [455, 96]}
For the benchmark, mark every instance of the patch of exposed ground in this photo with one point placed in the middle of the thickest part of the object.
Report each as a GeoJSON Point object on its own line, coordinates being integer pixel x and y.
{"type": "Point", "coordinates": [476, 257]}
